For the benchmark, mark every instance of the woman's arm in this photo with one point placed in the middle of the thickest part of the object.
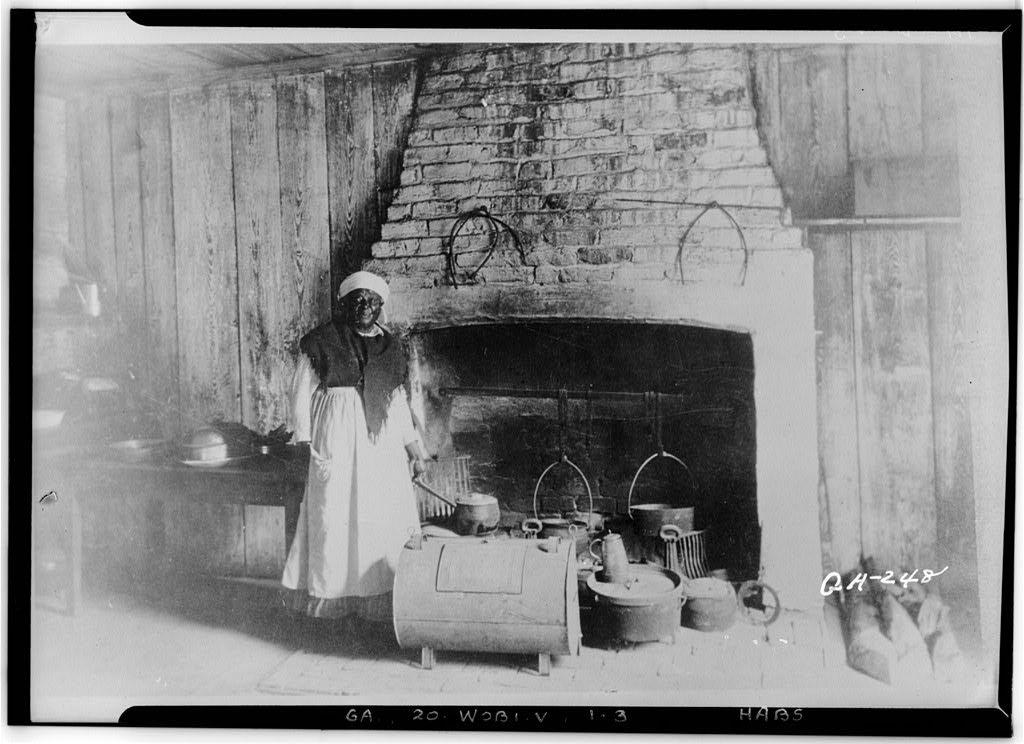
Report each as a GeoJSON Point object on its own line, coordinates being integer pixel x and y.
{"type": "Point", "coordinates": [304, 382]}
{"type": "Point", "coordinates": [400, 417]}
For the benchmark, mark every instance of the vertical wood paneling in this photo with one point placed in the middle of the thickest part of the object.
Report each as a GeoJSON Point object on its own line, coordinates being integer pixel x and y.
{"type": "Point", "coordinates": [305, 225]}
{"type": "Point", "coordinates": [988, 324]}
{"type": "Point", "coordinates": [814, 162]}
{"type": "Point", "coordinates": [128, 234]}
{"type": "Point", "coordinates": [158, 238]}
{"type": "Point", "coordinates": [264, 299]}
{"type": "Point", "coordinates": [204, 538]}
{"type": "Point", "coordinates": [73, 183]}
{"type": "Point", "coordinates": [885, 101]}
{"type": "Point", "coordinates": [207, 286]}
{"type": "Point", "coordinates": [267, 303]}
{"type": "Point", "coordinates": [264, 542]}
{"type": "Point", "coordinates": [98, 198]}
{"type": "Point", "coordinates": [900, 187]}
{"type": "Point", "coordinates": [394, 90]}
{"type": "Point", "coordinates": [837, 395]}
{"type": "Point", "coordinates": [938, 109]}
{"type": "Point", "coordinates": [893, 372]}
{"type": "Point", "coordinates": [351, 170]}
{"type": "Point", "coordinates": [954, 475]}
{"type": "Point", "coordinates": [206, 274]}
{"type": "Point", "coordinates": [49, 174]}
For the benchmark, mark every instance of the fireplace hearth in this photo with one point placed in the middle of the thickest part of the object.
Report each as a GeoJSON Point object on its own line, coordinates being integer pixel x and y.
{"type": "Point", "coordinates": [517, 397]}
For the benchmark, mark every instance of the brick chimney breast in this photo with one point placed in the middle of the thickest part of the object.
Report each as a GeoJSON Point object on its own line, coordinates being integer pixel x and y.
{"type": "Point", "coordinates": [598, 155]}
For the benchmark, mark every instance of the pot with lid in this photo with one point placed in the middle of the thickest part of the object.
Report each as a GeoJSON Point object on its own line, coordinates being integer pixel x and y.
{"type": "Point", "coordinates": [644, 609]}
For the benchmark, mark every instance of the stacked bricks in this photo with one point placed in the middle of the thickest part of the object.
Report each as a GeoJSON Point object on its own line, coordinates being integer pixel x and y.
{"type": "Point", "coordinates": [587, 151]}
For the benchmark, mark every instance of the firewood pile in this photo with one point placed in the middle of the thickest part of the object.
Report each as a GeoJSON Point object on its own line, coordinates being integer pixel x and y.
{"type": "Point", "coordinates": [898, 633]}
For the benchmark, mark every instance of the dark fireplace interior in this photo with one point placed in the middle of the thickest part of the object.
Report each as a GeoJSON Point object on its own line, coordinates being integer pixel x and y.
{"type": "Point", "coordinates": [494, 392]}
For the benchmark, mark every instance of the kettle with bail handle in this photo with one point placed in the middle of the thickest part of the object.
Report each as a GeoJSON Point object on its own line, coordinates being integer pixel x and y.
{"type": "Point", "coordinates": [573, 529]}
{"type": "Point", "coordinates": [650, 518]}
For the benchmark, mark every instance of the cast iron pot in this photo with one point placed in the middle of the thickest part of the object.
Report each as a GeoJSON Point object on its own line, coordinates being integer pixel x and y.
{"type": "Point", "coordinates": [475, 513]}
{"type": "Point", "coordinates": [650, 518]}
{"type": "Point", "coordinates": [710, 604]}
{"type": "Point", "coordinates": [644, 609]}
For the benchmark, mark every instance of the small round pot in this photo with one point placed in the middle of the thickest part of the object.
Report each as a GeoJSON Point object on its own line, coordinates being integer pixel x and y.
{"type": "Point", "coordinates": [476, 513]}
{"type": "Point", "coordinates": [710, 605]}
{"type": "Point", "coordinates": [560, 527]}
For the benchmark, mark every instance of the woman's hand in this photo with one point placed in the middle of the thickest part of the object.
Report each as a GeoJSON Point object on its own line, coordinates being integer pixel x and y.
{"type": "Point", "coordinates": [419, 467]}
{"type": "Point", "coordinates": [418, 458]}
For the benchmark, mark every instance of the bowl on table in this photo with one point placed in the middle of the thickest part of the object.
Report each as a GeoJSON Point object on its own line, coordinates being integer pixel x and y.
{"type": "Point", "coordinates": [205, 445]}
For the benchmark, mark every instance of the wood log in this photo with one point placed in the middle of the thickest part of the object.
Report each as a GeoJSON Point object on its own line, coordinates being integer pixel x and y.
{"type": "Point", "coordinates": [948, 663]}
{"type": "Point", "coordinates": [868, 650]}
{"type": "Point", "coordinates": [914, 664]}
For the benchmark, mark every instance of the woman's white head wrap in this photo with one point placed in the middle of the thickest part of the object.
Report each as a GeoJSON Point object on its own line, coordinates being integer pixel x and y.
{"type": "Point", "coordinates": [364, 280]}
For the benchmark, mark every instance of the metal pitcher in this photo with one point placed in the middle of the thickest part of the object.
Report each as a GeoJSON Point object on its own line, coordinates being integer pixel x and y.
{"type": "Point", "coordinates": [613, 557]}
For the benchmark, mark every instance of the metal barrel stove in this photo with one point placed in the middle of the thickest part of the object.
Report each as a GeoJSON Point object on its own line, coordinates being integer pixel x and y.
{"type": "Point", "coordinates": [498, 596]}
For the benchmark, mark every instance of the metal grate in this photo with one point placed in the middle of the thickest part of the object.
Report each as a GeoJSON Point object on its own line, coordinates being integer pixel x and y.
{"type": "Point", "coordinates": [447, 475]}
{"type": "Point", "coordinates": [687, 554]}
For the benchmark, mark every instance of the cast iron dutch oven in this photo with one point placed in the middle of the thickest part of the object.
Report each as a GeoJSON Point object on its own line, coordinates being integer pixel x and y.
{"type": "Point", "coordinates": [645, 608]}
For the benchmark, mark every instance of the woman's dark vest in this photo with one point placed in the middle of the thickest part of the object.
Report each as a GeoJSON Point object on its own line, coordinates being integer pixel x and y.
{"type": "Point", "coordinates": [374, 365]}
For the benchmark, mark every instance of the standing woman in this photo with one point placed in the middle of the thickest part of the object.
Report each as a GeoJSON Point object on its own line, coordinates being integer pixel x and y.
{"type": "Point", "coordinates": [349, 403]}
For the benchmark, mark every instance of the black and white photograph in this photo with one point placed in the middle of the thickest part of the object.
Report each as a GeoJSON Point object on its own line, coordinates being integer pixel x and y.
{"type": "Point", "coordinates": [479, 369]}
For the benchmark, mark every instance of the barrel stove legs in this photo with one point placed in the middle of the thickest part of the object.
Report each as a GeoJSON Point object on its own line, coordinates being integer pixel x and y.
{"type": "Point", "coordinates": [544, 665]}
{"type": "Point", "coordinates": [543, 661]}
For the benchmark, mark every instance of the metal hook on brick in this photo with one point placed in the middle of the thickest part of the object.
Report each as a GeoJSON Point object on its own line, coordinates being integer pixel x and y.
{"type": "Point", "coordinates": [678, 262]}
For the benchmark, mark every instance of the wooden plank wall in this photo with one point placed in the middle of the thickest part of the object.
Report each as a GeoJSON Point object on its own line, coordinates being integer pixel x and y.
{"type": "Point", "coordinates": [861, 129]}
{"type": "Point", "coordinates": [160, 388]}
{"type": "Point", "coordinates": [894, 426]}
{"type": "Point", "coordinates": [220, 217]}
{"type": "Point", "coordinates": [837, 400]}
{"type": "Point", "coordinates": [353, 203]}
{"type": "Point", "coordinates": [49, 214]}
{"type": "Point", "coordinates": [954, 466]}
{"type": "Point", "coordinates": [893, 373]}
{"type": "Point", "coordinates": [871, 131]}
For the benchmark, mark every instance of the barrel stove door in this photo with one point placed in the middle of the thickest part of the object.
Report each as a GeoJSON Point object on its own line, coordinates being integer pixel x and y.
{"type": "Point", "coordinates": [466, 568]}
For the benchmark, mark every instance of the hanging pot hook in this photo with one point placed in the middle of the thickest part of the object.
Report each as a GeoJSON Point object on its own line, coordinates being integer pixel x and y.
{"type": "Point", "coordinates": [563, 418]}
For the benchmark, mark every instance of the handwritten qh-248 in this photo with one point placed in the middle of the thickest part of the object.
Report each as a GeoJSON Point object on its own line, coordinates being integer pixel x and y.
{"type": "Point", "coordinates": [833, 582]}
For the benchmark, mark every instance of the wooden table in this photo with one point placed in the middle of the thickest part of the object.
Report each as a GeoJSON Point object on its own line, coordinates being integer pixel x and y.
{"type": "Point", "coordinates": [87, 475]}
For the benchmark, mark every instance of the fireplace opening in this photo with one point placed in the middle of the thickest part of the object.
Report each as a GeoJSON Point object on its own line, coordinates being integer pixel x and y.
{"type": "Point", "coordinates": [515, 397]}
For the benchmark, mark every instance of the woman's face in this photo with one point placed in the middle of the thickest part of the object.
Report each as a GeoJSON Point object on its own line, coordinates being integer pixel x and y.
{"type": "Point", "coordinates": [362, 308]}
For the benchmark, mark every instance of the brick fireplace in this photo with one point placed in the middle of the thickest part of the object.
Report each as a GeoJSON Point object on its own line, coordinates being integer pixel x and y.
{"type": "Point", "coordinates": [600, 157]}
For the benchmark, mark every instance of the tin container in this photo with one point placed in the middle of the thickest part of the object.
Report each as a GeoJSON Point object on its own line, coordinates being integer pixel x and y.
{"type": "Point", "coordinates": [499, 596]}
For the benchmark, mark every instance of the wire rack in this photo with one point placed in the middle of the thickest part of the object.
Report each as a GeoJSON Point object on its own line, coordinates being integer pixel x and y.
{"type": "Point", "coordinates": [448, 475]}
